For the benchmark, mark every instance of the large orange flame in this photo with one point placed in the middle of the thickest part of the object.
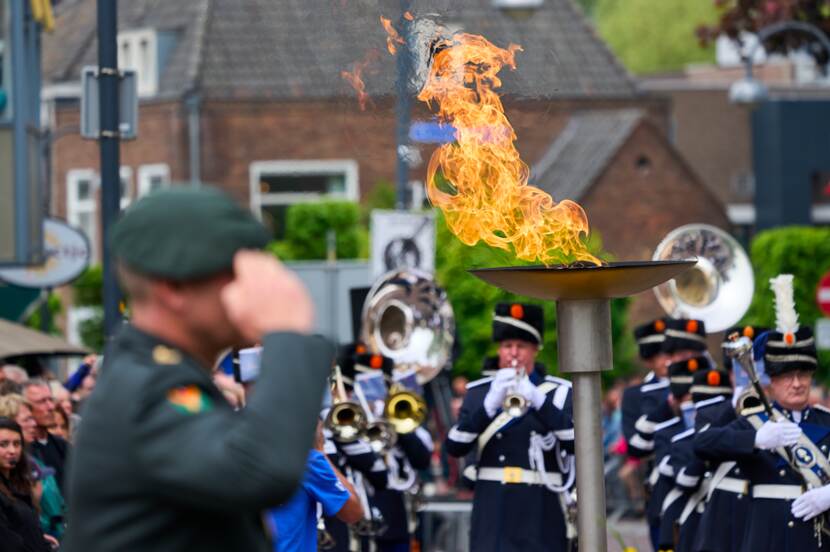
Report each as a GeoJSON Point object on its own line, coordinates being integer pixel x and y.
{"type": "Point", "coordinates": [488, 198]}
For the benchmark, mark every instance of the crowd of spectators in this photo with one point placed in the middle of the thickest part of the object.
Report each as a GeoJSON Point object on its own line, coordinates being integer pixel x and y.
{"type": "Point", "coordinates": [38, 420]}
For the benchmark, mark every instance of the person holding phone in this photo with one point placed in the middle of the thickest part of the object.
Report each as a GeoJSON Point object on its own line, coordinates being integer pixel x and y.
{"type": "Point", "coordinates": [162, 461]}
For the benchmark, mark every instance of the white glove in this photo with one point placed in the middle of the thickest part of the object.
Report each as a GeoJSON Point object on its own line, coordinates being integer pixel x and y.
{"type": "Point", "coordinates": [812, 503]}
{"type": "Point", "coordinates": [533, 394]}
{"type": "Point", "coordinates": [772, 435]}
{"type": "Point", "coordinates": [498, 390]}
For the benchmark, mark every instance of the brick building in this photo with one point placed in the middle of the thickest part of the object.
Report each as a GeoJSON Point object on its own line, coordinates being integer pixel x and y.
{"type": "Point", "coordinates": [248, 95]}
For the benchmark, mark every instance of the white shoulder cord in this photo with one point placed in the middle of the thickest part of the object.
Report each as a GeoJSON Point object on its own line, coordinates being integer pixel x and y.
{"type": "Point", "coordinates": [539, 444]}
{"type": "Point", "coordinates": [395, 483]}
{"type": "Point", "coordinates": [361, 493]}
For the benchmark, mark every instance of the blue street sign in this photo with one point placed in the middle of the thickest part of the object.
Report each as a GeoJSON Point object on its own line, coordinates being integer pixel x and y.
{"type": "Point", "coordinates": [431, 132]}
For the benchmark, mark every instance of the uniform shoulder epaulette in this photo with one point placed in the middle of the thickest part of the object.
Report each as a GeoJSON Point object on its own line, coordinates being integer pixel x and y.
{"type": "Point", "coordinates": [707, 402]}
{"type": "Point", "coordinates": [559, 381]}
{"type": "Point", "coordinates": [668, 423]}
{"type": "Point", "coordinates": [476, 383]}
{"type": "Point", "coordinates": [821, 407]}
{"type": "Point", "coordinates": [654, 386]}
{"type": "Point", "coordinates": [683, 435]}
{"type": "Point", "coordinates": [750, 411]}
{"type": "Point", "coordinates": [649, 377]}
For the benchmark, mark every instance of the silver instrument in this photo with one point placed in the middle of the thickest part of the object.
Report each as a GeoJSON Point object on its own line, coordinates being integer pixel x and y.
{"type": "Point", "coordinates": [346, 419]}
{"type": "Point", "coordinates": [408, 318]}
{"type": "Point", "coordinates": [514, 403]}
{"type": "Point", "coordinates": [718, 289]}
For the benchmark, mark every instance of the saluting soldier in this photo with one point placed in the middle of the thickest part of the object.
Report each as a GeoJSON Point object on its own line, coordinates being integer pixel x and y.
{"type": "Point", "coordinates": [162, 462]}
{"type": "Point", "coordinates": [784, 458]}
{"type": "Point", "coordinates": [525, 463]}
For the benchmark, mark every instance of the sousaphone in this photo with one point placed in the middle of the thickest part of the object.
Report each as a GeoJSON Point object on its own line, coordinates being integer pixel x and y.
{"type": "Point", "coordinates": [718, 289]}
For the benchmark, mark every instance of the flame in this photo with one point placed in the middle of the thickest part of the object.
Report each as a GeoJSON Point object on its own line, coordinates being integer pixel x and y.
{"type": "Point", "coordinates": [392, 36]}
{"type": "Point", "coordinates": [490, 199]}
{"type": "Point", "coordinates": [355, 77]}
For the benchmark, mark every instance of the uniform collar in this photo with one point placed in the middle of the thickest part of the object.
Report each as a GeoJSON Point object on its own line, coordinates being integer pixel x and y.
{"type": "Point", "coordinates": [146, 344]}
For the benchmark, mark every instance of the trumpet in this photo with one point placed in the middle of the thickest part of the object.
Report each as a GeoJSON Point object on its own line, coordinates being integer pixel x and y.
{"type": "Point", "coordinates": [346, 419]}
{"type": "Point", "coordinates": [380, 433]}
{"type": "Point", "coordinates": [404, 410]}
{"type": "Point", "coordinates": [514, 403]}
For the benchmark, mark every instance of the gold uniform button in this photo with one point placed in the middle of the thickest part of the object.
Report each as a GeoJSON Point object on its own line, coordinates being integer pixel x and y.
{"type": "Point", "coordinates": [790, 524]}
{"type": "Point", "coordinates": [782, 473]}
{"type": "Point", "coordinates": [166, 356]}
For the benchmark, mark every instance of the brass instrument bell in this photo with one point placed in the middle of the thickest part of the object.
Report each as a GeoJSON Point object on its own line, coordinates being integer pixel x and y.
{"type": "Point", "coordinates": [346, 419]}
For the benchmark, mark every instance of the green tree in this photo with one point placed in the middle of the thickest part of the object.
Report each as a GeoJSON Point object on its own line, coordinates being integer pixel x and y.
{"type": "Point", "coordinates": [473, 302]}
{"type": "Point", "coordinates": [308, 224]}
{"type": "Point", "coordinates": [88, 290]}
{"type": "Point", "coordinates": [803, 252]}
{"type": "Point", "coordinates": [655, 35]}
{"type": "Point", "coordinates": [55, 306]}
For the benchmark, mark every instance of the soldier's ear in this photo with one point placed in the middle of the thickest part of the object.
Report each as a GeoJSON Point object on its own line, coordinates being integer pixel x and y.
{"type": "Point", "coordinates": [170, 295]}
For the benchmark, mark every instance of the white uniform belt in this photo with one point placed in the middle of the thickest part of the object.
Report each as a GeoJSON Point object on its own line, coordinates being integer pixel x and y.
{"type": "Point", "coordinates": [783, 492]}
{"type": "Point", "coordinates": [735, 485]}
{"type": "Point", "coordinates": [510, 474]}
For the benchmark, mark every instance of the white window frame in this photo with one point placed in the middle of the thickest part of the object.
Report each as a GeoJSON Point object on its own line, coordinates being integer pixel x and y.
{"type": "Point", "coordinates": [126, 173]}
{"type": "Point", "coordinates": [744, 213]}
{"type": "Point", "coordinates": [146, 67]}
{"type": "Point", "coordinates": [346, 167]}
{"type": "Point", "coordinates": [147, 172]}
{"type": "Point", "coordinates": [74, 206]}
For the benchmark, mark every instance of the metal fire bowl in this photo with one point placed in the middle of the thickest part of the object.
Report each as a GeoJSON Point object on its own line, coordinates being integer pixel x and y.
{"type": "Point", "coordinates": [583, 282]}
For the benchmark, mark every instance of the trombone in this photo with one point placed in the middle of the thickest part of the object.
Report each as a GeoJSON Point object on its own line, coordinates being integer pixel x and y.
{"type": "Point", "coordinates": [346, 419]}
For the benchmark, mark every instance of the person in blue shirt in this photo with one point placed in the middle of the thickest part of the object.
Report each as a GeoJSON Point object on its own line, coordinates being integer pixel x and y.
{"type": "Point", "coordinates": [294, 524]}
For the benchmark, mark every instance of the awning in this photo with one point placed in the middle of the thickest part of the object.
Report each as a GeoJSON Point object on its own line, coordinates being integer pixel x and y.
{"type": "Point", "coordinates": [17, 340]}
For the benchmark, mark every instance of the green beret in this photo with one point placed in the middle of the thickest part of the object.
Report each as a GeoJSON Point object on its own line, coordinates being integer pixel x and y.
{"type": "Point", "coordinates": [185, 233]}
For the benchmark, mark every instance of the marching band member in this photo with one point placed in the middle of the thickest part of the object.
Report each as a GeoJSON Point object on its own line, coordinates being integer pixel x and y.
{"type": "Point", "coordinates": [721, 524]}
{"type": "Point", "coordinates": [784, 456]}
{"type": "Point", "coordinates": [666, 502]}
{"type": "Point", "coordinates": [709, 387]}
{"type": "Point", "coordinates": [683, 339]}
{"type": "Point", "coordinates": [638, 400]}
{"type": "Point", "coordinates": [525, 463]}
{"type": "Point", "coordinates": [410, 454]}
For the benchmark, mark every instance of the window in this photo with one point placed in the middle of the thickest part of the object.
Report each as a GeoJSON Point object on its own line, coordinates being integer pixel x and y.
{"type": "Point", "coordinates": [126, 191]}
{"type": "Point", "coordinates": [82, 205]}
{"type": "Point", "coordinates": [138, 50]}
{"type": "Point", "coordinates": [277, 184]}
{"type": "Point", "coordinates": [152, 178]}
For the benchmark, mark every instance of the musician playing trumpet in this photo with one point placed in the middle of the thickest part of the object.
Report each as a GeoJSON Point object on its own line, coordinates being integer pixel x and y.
{"type": "Point", "coordinates": [782, 450]}
{"type": "Point", "coordinates": [524, 472]}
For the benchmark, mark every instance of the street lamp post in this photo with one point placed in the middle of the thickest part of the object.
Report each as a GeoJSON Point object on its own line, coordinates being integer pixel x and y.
{"type": "Point", "coordinates": [750, 91]}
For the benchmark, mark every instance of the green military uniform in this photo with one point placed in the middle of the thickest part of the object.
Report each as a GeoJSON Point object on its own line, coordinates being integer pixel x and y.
{"type": "Point", "coordinates": [162, 462]}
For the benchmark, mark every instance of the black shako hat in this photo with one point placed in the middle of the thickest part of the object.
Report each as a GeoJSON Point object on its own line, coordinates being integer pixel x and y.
{"type": "Point", "coordinates": [185, 233]}
{"type": "Point", "coordinates": [786, 352]}
{"type": "Point", "coordinates": [684, 334]}
{"type": "Point", "coordinates": [707, 384]}
{"type": "Point", "coordinates": [519, 321]}
{"type": "Point", "coordinates": [650, 338]}
{"type": "Point", "coordinates": [681, 374]}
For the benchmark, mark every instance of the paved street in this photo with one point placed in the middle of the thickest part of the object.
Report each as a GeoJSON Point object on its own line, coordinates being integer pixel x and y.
{"type": "Point", "coordinates": [632, 533]}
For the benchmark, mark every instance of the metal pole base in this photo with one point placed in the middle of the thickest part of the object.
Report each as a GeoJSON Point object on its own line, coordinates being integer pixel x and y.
{"type": "Point", "coordinates": [584, 351]}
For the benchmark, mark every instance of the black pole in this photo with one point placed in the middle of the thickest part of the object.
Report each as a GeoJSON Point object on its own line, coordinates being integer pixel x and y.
{"type": "Point", "coordinates": [109, 141]}
{"type": "Point", "coordinates": [403, 107]}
